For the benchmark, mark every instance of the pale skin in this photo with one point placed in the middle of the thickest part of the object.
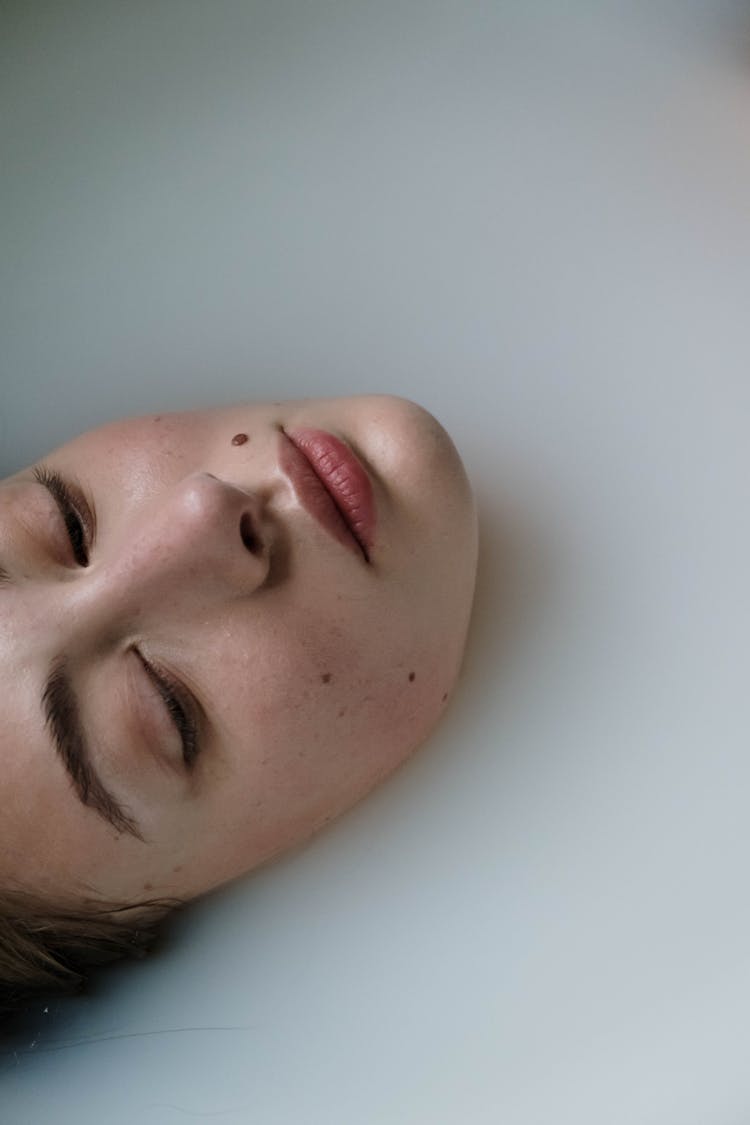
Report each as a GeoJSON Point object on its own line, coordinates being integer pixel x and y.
{"type": "Point", "coordinates": [315, 672]}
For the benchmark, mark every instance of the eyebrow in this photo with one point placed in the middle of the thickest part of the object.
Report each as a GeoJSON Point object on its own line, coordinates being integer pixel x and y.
{"type": "Point", "coordinates": [62, 714]}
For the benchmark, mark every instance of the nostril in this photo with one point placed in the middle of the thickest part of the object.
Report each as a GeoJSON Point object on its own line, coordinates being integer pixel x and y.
{"type": "Point", "coordinates": [249, 536]}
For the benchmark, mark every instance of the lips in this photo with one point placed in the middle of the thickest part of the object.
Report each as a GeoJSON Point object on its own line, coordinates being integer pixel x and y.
{"type": "Point", "coordinates": [332, 485]}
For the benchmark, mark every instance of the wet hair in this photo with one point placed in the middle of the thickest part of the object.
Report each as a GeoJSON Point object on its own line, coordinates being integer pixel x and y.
{"type": "Point", "coordinates": [49, 947]}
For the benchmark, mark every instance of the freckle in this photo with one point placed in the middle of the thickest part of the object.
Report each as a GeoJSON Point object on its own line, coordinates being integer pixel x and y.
{"type": "Point", "coordinates": [326, 677]}
{"type": "Point", "coordinates": [177, 868]}
{"type": "Point", "coordinates": [445, 696]}
{"type": "Point", "coordinates": [148, 886]}
{"type": "Point", "coordinates": [239, 439]}
{"type": "Point", "coordinates": [342, 712]}
{"type": "Point", "coordinates": [412, 676]}
{"type": "Point", "coordinates": [157, 418]}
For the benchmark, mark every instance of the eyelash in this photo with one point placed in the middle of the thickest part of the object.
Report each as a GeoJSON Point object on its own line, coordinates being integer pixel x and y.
{"type": "Point", "coordinates": [78, 528]}
{"type": "Point", "coordinates": [80, 534]}
{"type": "Point", "coordinates": [180, 713]}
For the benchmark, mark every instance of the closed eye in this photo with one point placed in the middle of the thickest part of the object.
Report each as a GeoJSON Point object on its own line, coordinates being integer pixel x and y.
{"type": "Point", "coordinates": [74, 510]}
{"type": "Point", "coordinates": [180, 708]}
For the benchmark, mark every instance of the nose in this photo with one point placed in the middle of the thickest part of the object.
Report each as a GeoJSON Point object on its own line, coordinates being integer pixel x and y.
{"type": "Point", "coordinates": [201, 541]}
{"type": "Point", "coordinates": [220, 504]}
{"type": "Point", "coordinates": [209, 531]}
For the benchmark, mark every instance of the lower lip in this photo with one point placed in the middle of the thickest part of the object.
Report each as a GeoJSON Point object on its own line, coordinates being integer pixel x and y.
{"type": "Point", "coordinates": [332, 485]}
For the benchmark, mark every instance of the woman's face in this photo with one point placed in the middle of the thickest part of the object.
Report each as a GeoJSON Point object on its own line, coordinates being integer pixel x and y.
{"type": "Point", "coordinates": [219, 629]}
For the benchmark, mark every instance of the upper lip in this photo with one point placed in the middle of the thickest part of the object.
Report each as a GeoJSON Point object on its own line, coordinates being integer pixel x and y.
{"type": "Point", "coordinates": [342, 477]}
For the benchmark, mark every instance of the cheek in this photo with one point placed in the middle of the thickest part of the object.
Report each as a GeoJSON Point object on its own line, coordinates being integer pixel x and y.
{"type": "Point", "coordinates": [306, 695]}
{"type": "Point", "coordinates": [319, 726]}
{"type": "Point", "coordinates": [130, 457]}
{"type": "Point", "coordinates": [345, 726]}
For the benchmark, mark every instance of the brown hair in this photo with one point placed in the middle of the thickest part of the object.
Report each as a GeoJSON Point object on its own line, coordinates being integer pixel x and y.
{"type": "Point", "coordinates": [48, 947]}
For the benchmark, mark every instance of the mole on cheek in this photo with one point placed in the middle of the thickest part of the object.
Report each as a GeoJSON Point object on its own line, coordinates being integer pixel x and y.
{"type": "Point", "coordinates": [239, 439]}
{"type": "Point", "coordinates": [326, 677]}
{"type": "Point", "coordinates": [412, 677]}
